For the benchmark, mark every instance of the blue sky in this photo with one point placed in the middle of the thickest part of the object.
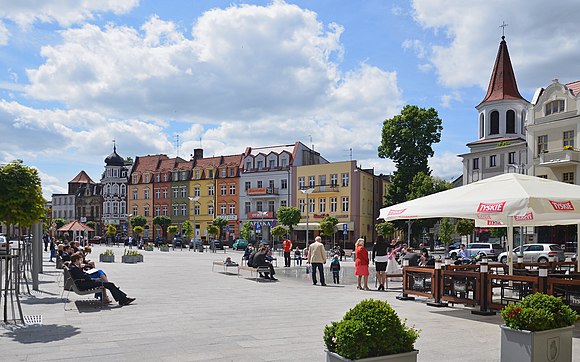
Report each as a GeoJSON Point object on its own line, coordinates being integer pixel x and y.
{"type": "Point", "coordinates": [76, 75]}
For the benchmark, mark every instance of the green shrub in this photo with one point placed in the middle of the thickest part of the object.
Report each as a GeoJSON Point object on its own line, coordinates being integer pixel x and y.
{"type": "Point", "coordinates": [108, 252]}
{"type": "Point", "coordinates": [370, 329]}
{"type": "Point", "coordinates": [131, 252]}
{"type": "Point", "coordinates": [538, 312]}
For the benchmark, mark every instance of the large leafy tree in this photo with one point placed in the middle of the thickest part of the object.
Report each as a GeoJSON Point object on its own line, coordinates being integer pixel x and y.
{"type": "Point", "coordinates": [279, 231]}
{"type": "Point", "coordinates": [464, 227]}
{"type": "Point", "coordinates": [59, 222]}
{"type": "Point", "coordinates": [21, 201]}
{"type": "Point", "coordinates": [187, 229]}
{"type": "Point", "coordinates": [385, 228]}
{"type": "Point", "coordinates": [288, 216]}
{"type": "Point", "coordinates": [328, 226]}
{"type": "Point", "coordinates": [407, 139]}
{"type": "Point", "coordinates": [138, 220]}
{"type": "Point", "coordinates": [246, 230]}
{"type": "Point", "coordinates": [221, 223]}
{"type": "Point", "coordinates": [163, 221]}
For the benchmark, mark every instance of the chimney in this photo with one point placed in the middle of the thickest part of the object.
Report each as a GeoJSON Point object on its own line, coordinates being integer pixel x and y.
{"type": "Point", "coordinates": [197, 153]}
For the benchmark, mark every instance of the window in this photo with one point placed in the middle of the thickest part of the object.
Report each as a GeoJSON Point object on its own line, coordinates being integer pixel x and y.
{"type": "Point", "coordinates": [556, 106]}
{"type": "Point", "coordinates": [210, 173]}
{"type": "Point", "coordinates": [196, 209]}
{"type": "Point", "coordinates": [333, 204]}
{"type": "Point", "coordinates": [345, 204]}
{"type": "Point", "coordinates": [494, 123]}
{"type": "Point", "coordinates": [146, 211]}
{"type": "Point", "coordinates": [164, 193]}
{"type": "Point", "coordinates": [301, 183]}
{"type": "Point", "coordinates": [249, 165]}
{"type": "Point", "coordinates": [259, 206]}
{"type": "Point", "coordinates": [196, 191]}
{"type": "Point", "coordinates": [542, 144]}
{"type": "Point", "coordinates": [223, 190]}
{"type": "Point", "coordinates": [301, 204]}
{"type": "Point", "coordinates": [272, 164]}
{"type": "Point", "coordinates": [492, 161]}
{"type": "Point", "coordinates": [175, 176]}
{"type": "Point", "coordinates": [510, 121]}
{"type": "Point", "coordinates": [164, 210]}
{"type": "Point", "coordinates": [568, 177]}
{"type": "Point", "coordinates": [223, 208]}
{"type": "Point", "coordinates": [283, 203]}
{"type": "Point", "coordinates": [232, 189]}
{"type": "Point", "coordinates": [165, 177]}
{"type": "Point", "coordinates": [210, 190]}
{"type": "Point", "coordinates": [283, 184]}
{"type": "Point", "coordinates": [224, 172]}
{"type": "Point", "coordinates": [247, 185]}
{"type": "Point", "coordinates": [135, 211]}
{"type": "Point", "coordinates": [334, 179]}
{"type": "Point", "coordinates": [183, 192]}
{"type": "Point", "coordinates": [311, 181]}
{"type": "Point", "coordinates": [146, 194]}
{"type": "Point", "coordinates": [157, 178]}
{"type": "Point", "coordinates": [271, 206]}
{"type": "Point", "coordinates": [175, 192]}
{"type": "Point", "coordinates": [568, 138]}
{"type": "Point", "coordinates": [134, 195]}
{"type": "Point", "coordinates": [523, 123]}
{"type": "Point", "coordinates": [147, 178]}
{"type": "Point", "coordinates": [271, 184]}
{"type": "Point", "coordinates": [542, 176]}
{"type": "Point", "coordinates": [511, 158]}
{"type": "Point", "coordinates": [210, 209]}
{"type": "Point", "coordinates": [232, 209]}
{"type": "Point", "coordinates": [232, 172]}
{"type": "Point", "coordinates": [175, 210]}
{"type": "Point", "coordinates": [157, 194]}
{"type": "Point", "coordinates": [157, 211]}
{"type": "Point", "coordinates": [322, 180]}
{"type": "Point", "coordinates": [260, 184]}
{"type": "Point", "coordinates": [183, 210]}
{"type": "Point", "coordinates": [283, 162]}
{"type": "Point", "coordinates": [322, 204]}
{"type": "Point", "coordinates": [183, 175]}
{"type": "Point", "coordinates": [311, 205]}
{"type": "Point", "coordinates": [197, 174]}
{"type": "Point", "coordinates": [345, 180]}
{"type": "Point", "coordinates": [476, 163]}
{"type": "Point", "coordinates": [247, 207]}
{"type": "Point", "coordinates": [481, 126]}
{"type": "Point", "coordinates": [260, 165]}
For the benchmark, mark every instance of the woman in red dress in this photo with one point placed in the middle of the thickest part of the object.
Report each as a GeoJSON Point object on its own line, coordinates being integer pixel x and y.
{"type": "Point", "coordinates": [361, 265]}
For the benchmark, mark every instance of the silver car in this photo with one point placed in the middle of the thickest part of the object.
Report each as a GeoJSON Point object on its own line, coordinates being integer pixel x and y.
{"type": "Point", "coordinates": [489, 250]}
{"type": "Point", "coordinates": [536, 253]}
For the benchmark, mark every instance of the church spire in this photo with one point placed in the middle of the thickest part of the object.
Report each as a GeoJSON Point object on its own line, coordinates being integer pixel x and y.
{"type": "Point", "coordinates": [502, 84]}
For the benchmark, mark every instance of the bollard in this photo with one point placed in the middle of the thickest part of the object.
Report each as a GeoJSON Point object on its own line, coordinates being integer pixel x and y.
{"type": "Point", "coordinates": [483, 308]}
{"type": "Point", "coordinates": [404, 296]}
{"type": "Point", "coordinates": [543, 279]}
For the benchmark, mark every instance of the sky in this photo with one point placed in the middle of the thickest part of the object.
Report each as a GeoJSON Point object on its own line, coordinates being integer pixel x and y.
{"type": "Point", "coordinates": [225, 75]}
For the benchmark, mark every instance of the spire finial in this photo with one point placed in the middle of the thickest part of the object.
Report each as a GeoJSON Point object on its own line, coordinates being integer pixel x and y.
{"type": "Point", "coordinates": [114, 146]}
{"type": "Point", "coordinates": [502, 26]}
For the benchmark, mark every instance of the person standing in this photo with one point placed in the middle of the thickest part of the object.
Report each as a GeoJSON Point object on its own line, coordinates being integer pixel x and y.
{"type": "Point", "coordinates": [361, 265]}
{"type": "Point", "coordinates": [380, 259]}
{"type": "Point", "coordinates": [298, 256]}
{"type": "Point", "coordinates": [287, 250]}
{"type": "Point", "coordinates": [130, 242]}
{"type": "Point", "coordinates": [52, 247]}
{"type": "Point", "coordinates": [335, 269]}
{"type": "Point", "coordinates": [317, 257]}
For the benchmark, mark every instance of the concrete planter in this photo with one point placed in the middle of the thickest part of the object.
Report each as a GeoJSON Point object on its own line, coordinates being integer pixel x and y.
{"type": "Point", "coordinates": [400, 357]}
{"type": "Point", "coordinates": [164, 249]}
{"type": "Point", "coordinates": [148, 248]}
{"type": "Point", "coordinates": [140, 258]}
{"type": "Point", "coordinates": [554, 345]}
{"type": "Point", "coordinates": [106, 258]}
{"type": "Point", "coordinates": [129, 259]}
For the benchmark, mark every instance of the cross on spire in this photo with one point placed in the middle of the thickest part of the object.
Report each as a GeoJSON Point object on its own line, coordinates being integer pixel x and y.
{"type": "Point", "coordinates": [503, 26]}
{"type": "Point", "coordinates": [114, 146]}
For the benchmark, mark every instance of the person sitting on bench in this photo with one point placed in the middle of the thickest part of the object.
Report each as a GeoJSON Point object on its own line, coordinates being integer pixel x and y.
{"type": "Point", "coordinates": [260, 261]}
{"type": "Point", "coordinates": [84, 281]}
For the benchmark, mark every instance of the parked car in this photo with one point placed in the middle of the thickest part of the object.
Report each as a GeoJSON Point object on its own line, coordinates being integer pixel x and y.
{"type": "Point", "coordinates": [177, 242]}
{"type": "Point", "coordinates": [454, 246]}
{"type": "Point", "coordinates": [216, 244]}
{"type": "Point", "coordinates": [489, 250]}
{"type": "Point", "coordinates": [536, 253]}
{"type": "Point", "coordinates": [159, 240]}
{"type": "Point", "coordinates": [4, 245]}
{"type": "Point", "coordinates": [240, 244]}
{"type": "Point", "coordinates": [195, 243]}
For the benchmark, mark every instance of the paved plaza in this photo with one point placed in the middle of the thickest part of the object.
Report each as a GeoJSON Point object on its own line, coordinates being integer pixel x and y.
{"type": "Point", "coordinates": [186, 312]}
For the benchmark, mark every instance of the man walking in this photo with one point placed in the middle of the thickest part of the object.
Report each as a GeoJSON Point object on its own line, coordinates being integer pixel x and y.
{"type": "Point", "coordinates": [287, 250]}
{"type": "Point", "coordinates": [317, 257]}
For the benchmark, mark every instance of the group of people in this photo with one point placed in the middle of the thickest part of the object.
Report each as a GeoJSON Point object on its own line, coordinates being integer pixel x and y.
{"type": "Point", "coordinates": [86, 276]}
{"type": "Point", "coordinates": [262, 257]}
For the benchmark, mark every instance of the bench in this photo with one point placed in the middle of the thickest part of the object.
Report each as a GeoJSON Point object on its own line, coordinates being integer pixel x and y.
{"type": "Point", "coordinates": [252, 270]}
{"type": "Point", "coordinates": [225, 266]}
{"type": "Point", "coordinates": [70, 286]}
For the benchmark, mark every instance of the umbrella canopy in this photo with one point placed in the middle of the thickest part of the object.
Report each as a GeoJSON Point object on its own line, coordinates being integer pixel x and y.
{"type": "Point", "coordinates": [76, 226]}
{"type": "Point", "coordinates": [505, 200]}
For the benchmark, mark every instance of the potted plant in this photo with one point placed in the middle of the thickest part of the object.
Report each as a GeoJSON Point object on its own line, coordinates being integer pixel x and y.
{"type": "Point", "coordinates": [538, 328]}
{"type": "Point", "coordinates": [568, 148]}
{"type": "Point", "coordinates": [148, 246]}
{"type": "Point", "coordinates": [131, 257]}
{"type": "Point", "coordinates": [107, 256]}
{"type": "Point", "coordinates": [371, 331]}
{"type": "Point", "coordinates": [164, 247]}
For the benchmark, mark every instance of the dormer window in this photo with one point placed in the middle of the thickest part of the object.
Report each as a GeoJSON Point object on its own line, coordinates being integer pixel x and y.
{"type": "Point", "coordinates": [248, 165]}
{"type": "Point", "coordinates": [556, 106]}
{"type": "Point", "coordinates": [260, 165]}
{"type": "Point", "coordinates": [272, 163]}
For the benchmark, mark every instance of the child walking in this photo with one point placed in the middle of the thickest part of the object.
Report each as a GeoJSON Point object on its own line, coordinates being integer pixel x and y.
{"type": "Point", "coordinates": [335, 269]}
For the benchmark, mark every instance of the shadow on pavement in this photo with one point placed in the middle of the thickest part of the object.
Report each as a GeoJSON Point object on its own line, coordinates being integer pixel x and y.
{"type": "Point", "coordinates": [42, 333]}
{"type": "Point", "coordinates": [35, 300]}
{"type": "Point", "coordinates": [465, 314]}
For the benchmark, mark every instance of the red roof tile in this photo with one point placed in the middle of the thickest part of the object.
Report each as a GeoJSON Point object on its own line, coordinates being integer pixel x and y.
{"type": "Point", "coordinates": [574, 87]}
{"type": "Point", "coordinates": [147, 163]}
{"type": "Point", "coordinates": [82, 178]}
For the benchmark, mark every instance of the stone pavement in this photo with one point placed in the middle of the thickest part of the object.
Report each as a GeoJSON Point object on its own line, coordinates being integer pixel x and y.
{"type": "Point", "coordinates": [186, 312]}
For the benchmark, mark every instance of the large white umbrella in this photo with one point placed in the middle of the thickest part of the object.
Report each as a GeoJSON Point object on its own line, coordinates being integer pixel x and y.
{"type": "Point", "coordinates": [505, 200]}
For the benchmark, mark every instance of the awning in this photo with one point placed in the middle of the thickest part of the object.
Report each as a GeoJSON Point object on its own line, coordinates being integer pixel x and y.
{"type": "Point", "coordinates": [311, 226]}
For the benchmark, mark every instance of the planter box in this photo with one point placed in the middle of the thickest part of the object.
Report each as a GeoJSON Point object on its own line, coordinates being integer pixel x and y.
{"type": "Point", "coordinates": [106, 258]}
{"type": "Point", "coordinates": [139, 258]}
{"type": "Point", "coordinates": [164, 249]}
{"type": "Point", "coordinates": [130, 259]}
{"type": "Point", "coordinates": [554, 345]}
{"type": "Point", "coordinates": [401, 357]}
{"type": "Point", "coordinates": [148, 248]}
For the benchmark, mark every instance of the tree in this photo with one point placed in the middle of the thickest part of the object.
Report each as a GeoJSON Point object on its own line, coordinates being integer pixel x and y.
{"type": "Point", "coordinates": [163, 221]}
{"type": "Point", "coordinates": [246, 230]}
{"type": "Point", "coordinates": [385, 228]}
{"type": "Point", "coordinates": [139, 231]}
{"type": "Point", "coordinates": [279, 231]}
{"type": "Point", "coordinates": [111, 232]}
{"type": "Point", "coordinates": [407, 139]}
{"type": "Point", "coordinates": [138, 220]}
{"type": "Point", "coordinates": [21, 201]}
{"type": "Point", "coordinates": [424, 184]}
{"type": "Point", "coordinates": [288, 216]}
{"type": "Point", "coordinates": [187, 229]}
{"type": "Point", "coordinates": [213, 230]}
{"type": "Point", "coordinates": [91, 224]}
{"type": "Point", "coordinates": [465, 227]}
{"type": "Point", "coordinates": [445, 232]}
{"type": "Point", "coordinates": [59, 223]}
{"type": "Point", "coordinates": [220, 222]}
{"type": "Point", "coordinates": [328, 226]}
{"type": "Point", "coordinates": [172, 230]}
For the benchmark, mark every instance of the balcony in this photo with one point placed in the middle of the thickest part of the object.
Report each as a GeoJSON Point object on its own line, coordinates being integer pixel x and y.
{"type": "Point", "coordinates": [559, 158]}
{"type": "Point", "coordinates": [262, 191]}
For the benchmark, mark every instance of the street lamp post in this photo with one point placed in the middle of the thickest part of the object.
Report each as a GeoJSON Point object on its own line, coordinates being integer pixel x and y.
{"type": "Point", "coordinates": [307, 192]}
{"type": "Point", "coordinates": [262, 214]}
{"type": "Point", "coordinates": [194, 201]}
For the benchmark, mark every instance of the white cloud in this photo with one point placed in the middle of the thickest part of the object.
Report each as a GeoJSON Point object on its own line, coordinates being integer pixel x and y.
{"type": "Point", "coordinates": [473, 30]}
{"type": "Point", "coordinates": [446, 165]}
{"type": "Point", "coordinates": [416, 45]}
{"type": "Point", "coordinates": [63, 12]}
{"type": "Point", "coordinates": [4, 34]}
{"type": "Point", "coordinates": [446, 99]}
